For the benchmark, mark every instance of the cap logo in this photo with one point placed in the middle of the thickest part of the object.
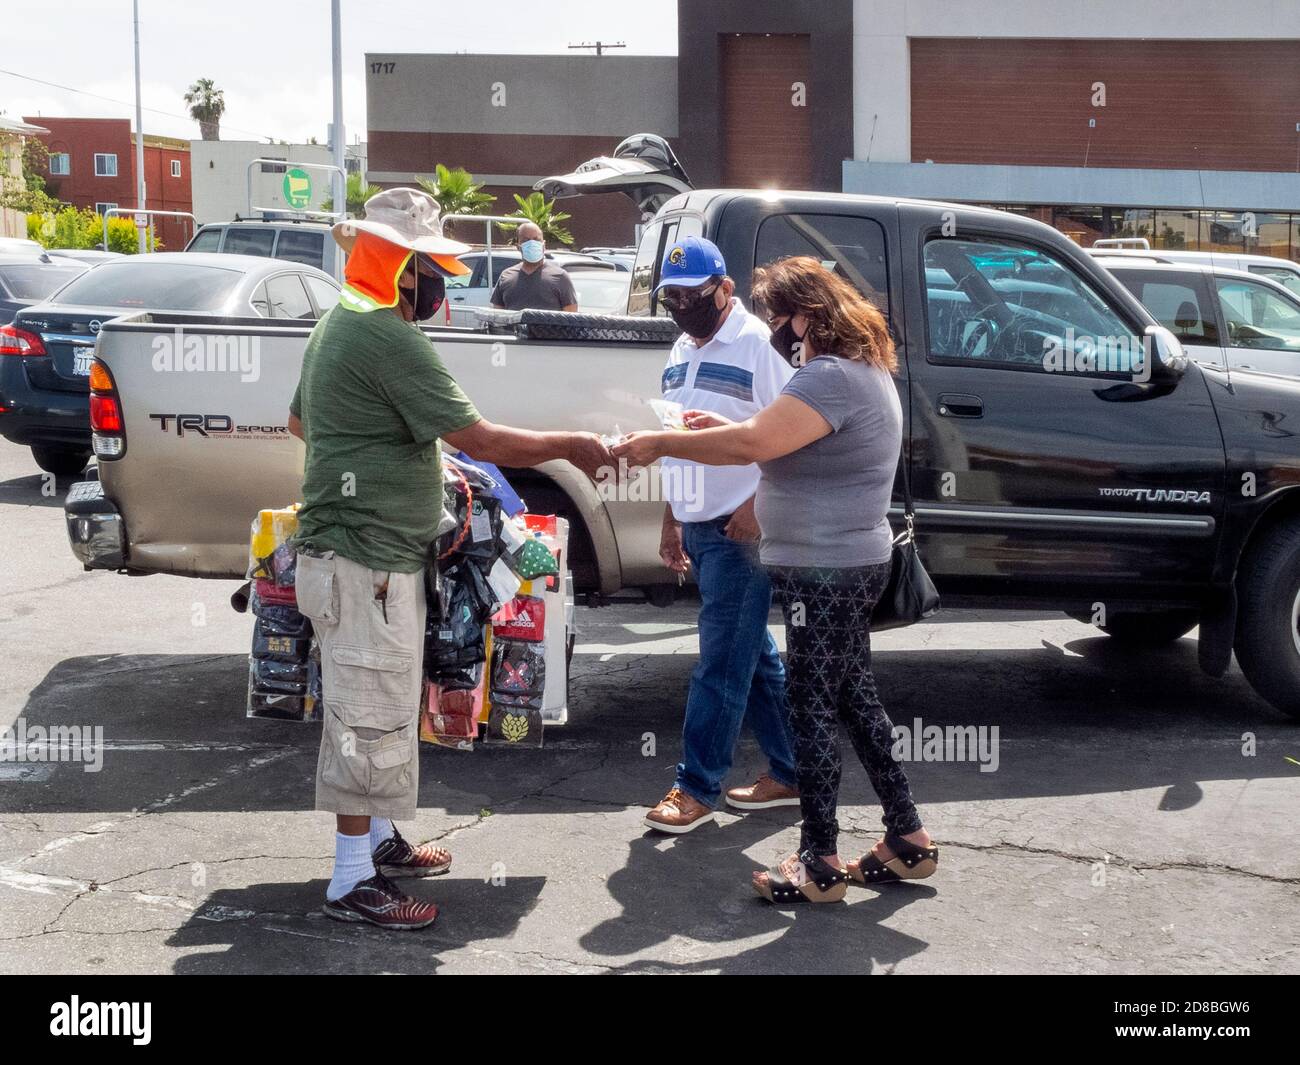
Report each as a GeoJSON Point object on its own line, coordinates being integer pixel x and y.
{"type": "Point", "coordinates": [677, 256]}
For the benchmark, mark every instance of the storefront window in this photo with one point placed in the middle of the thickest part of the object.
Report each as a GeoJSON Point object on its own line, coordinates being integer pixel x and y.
{"type": "Point", "coordinates": [1083, 225]}
{"type": "Point", "coordinates": [1268, 234]}
{"type": "Point", "coordinates": [1222, 231]}
{"type": "Point", "coordinates": [1176, 230]}
{"type": "Point", "coordinates": [1132, 222]}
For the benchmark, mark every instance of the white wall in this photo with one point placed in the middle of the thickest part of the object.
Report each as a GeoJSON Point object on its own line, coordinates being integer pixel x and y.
{"type": "Point", "coordinates": [219, 176]}
{"type": "Point", "coordinates": [881, 28]}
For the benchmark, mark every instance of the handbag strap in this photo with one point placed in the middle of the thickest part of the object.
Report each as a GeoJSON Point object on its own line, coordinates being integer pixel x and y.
{"type": "Point", "coordinates": [909, 511]}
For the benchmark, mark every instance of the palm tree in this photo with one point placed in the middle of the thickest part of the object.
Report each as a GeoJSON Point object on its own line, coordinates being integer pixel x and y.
{"type": "Point", "coordinates": [358, 192]}
{"type": "Point", "coordinates": [207, 104]}
{"type": "Point", "coordinates": [541, 211]}
{"type": "Point", "coordinates": [456, 192]}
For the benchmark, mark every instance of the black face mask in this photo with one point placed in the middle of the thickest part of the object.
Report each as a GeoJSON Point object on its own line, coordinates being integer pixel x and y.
{"type": "Point", "coordinates": [788, 344]}
{"type": "Point", "coordinates": [697, 320]}
{"type": "Point", "coordinates": [429, 294]}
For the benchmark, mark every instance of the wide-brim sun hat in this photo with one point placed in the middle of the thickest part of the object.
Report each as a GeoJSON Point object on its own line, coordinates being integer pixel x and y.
{"type": "Point", "coordinates": [408, 218]}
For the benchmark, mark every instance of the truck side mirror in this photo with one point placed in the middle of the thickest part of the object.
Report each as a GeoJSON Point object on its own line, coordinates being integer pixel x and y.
{"type": "Point", "coordinates": [1168, 359]}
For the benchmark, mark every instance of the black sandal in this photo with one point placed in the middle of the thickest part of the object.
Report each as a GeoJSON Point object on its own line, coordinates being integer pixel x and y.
{"type": "Point", "coordinates": [825, 883]}
{"type": "Point", "coordinates": [909, 862]}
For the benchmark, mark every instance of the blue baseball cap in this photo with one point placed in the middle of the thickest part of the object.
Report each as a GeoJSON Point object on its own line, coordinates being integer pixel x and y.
{"type": "Point", "coordinates": [690, 262]}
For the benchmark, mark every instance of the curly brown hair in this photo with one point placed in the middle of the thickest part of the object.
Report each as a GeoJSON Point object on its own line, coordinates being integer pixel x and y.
{"type": "Point", "coordinates": [840, 320]}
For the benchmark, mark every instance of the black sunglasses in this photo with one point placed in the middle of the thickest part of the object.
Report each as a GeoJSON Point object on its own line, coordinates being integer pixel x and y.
{"type": "Point", "coordinates": [679, 299]}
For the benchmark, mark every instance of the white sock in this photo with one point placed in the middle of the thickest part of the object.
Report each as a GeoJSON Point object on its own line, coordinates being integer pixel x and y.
{"type": "Point", "coordinates": [381, 828]}
{"type": "Point", "coordinates": [352, 864]}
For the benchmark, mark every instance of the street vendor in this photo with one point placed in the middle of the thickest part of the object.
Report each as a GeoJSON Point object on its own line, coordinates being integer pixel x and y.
{"type": "Point", "coordinates": [372, 404]}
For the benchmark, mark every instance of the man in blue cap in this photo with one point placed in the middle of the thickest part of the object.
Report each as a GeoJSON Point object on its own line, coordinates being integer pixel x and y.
{"type": "Point", "coordinates": [723, 363]}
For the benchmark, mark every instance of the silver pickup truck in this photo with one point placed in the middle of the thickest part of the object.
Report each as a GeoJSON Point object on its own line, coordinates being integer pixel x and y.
{"type": "Point", "coordinates": [190, 427]}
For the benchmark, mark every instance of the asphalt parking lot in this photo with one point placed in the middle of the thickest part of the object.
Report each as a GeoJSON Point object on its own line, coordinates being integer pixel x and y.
{"type": "Point", "coordinates": [1127, 827]}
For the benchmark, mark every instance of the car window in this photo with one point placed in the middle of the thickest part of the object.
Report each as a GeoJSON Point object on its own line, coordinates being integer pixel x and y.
{"type": "Point", "coordinates": [461, 280]}
{"type": "Point", "coordinates": [1258, 317]}
{"type": "Point", "coordinates": [852, 247]}
{"type": "Point", "coordinates": [241, 240]}
{"type": "Point", "coordinates": [35, 282]}
{"type": "Point", "coordinates": [1180, 304]}
{"type": "Point", "coordinates": [301, 246]}
{"type": "Point", "coordinates": [323, 294]}
{"type": "Point", "coordinates": [1289, 278]}
{"type": "Point", "coordinates": [996, 303]}
{"type": "Point", "coordinates": [645, 270]}
{"type": "Point", "coordinates": [206, 240]}
{"type": "Point", "coordinates": [600, 291]}
{"type": "Point", "coordinates": [286, 298]}
{"type": "Point", "coordinates": [146, 283]}
{"type": "Point", "coordinates": [501, 262]}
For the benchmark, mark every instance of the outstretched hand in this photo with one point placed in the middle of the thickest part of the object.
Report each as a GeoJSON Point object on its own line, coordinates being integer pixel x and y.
{"type": "Point", "coordinates": [589, 453]}
{"type": "Point", "coordinates": [703, 419]}
{"type": "Point", "coordinates": [639, 449]}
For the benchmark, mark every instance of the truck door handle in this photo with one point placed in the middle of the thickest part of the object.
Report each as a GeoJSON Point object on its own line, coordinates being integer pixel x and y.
{"type": "Point", "coordinates": [956, 405]}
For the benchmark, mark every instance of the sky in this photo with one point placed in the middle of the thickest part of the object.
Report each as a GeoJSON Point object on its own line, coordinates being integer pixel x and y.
{"type": "Point", "coordinates": [272, 57]}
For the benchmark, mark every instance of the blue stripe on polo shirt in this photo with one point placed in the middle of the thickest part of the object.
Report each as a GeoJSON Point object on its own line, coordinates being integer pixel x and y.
{"type": "Point", "coordinates": [725, 380]}
{"type": "Point", "coordinates": [674, 377]}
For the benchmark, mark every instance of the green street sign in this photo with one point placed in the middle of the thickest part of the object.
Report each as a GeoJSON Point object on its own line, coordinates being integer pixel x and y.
{"type": "Point", "coordinates": [297, 188]}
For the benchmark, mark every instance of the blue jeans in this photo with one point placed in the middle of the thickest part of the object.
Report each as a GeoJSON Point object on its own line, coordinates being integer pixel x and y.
{"type": "Point", "coordinates": [739, 676]}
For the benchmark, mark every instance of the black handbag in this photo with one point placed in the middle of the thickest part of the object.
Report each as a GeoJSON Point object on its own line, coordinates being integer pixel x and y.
{"type": "Point", "coordinates": [910, 595]}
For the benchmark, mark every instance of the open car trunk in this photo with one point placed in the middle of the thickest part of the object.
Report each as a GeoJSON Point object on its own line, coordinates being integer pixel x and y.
{"type": "Point", "coordinates": [643, 167]}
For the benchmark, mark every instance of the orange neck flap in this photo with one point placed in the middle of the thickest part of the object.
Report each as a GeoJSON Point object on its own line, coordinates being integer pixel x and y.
{"type": "Point", "coordinates": [373, 269]}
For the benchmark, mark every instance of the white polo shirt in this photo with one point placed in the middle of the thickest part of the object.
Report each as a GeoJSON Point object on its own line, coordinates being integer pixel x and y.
{"type": "Point", "coordinates": [736, 374]}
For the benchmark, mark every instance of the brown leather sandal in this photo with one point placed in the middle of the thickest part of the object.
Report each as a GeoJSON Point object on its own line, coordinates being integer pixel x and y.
{"type": "Point", "coordinates": [909, 862]}
{"type": "Point", "coordinates": [825, 883]}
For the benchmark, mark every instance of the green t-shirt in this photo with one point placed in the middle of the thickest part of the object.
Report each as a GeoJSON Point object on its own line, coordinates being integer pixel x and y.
{"type": "Point", "coordinates": [373, 399]}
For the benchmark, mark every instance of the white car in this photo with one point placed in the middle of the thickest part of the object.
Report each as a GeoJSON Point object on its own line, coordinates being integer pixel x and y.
{"type": "Point", "coordinates": [1283, 271]}
{"type": "Point", "coordinates": [1223, 318]}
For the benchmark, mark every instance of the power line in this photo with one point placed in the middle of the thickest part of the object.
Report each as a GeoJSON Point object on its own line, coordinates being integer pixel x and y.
{"type": "Point", "coordinates": [123, 103]}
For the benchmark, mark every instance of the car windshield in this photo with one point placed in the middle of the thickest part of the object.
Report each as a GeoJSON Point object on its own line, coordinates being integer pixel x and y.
{"type": "Point", "coordinates": [159, 286]}
{"type": "Point", "coordinates": [37, 281]}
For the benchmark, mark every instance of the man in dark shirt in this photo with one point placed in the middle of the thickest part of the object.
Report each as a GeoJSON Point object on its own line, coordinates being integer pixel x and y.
{"type": "Point", "coordinates": [534, 284]}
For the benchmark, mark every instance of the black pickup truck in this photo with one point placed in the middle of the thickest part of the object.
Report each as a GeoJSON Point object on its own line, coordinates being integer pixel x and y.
{"type": "Point", "coordinates": [1064, 453]}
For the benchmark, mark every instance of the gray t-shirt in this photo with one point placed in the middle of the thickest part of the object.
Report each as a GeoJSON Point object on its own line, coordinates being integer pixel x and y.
{"type": "Point", "coordinates": [827, 503]}
{"type": "Point", "coordinates": [547, 289]}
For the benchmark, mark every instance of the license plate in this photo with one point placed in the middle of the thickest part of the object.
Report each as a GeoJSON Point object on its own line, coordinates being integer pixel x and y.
{"type": "Point", "coordinates": [81, 361]}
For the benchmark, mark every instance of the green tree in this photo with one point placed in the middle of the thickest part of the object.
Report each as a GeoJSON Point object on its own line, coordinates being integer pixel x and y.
{"type": "Point", "coordinates": [27, 191]}
{"type": "Point", "coordinates": [541, 211]}
{"type": "Point", "coordinates": [358, 192]}
{"type": "Point", "coordinates": [456, 192]}
{"type": "Point", "coordinates": [70, 227]}
{"type": "Point", "coordinates": [207, 104]}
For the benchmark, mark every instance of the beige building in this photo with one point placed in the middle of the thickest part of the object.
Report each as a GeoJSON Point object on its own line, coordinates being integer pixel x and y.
{"type": "Point", "coordinates": [13, 134]}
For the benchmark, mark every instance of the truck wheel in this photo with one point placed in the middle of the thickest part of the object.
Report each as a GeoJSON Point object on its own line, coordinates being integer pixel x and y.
{"type": "Point", "coordinates": [1151, 630]}
{"type": "Point", "coordinates": [60, 461]}
{"type": "Point", "coordinates": [1268, 618]}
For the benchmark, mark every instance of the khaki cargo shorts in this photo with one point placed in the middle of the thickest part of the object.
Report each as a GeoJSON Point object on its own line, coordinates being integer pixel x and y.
{"type": "Point", "coordinates": [371, 647]}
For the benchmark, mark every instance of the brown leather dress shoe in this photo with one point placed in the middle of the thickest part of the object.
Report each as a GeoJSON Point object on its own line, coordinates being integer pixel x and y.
{"type": "Point", "coordinates": [677, 812]}
{"type": "Point", "coordinates": [763, 794]}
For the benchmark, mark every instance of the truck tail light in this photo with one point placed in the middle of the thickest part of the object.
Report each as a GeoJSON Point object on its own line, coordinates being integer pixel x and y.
{"type": "Point", "coordinates": [107, 426]}
{"type": "Point", "coordinates": [15, 341]}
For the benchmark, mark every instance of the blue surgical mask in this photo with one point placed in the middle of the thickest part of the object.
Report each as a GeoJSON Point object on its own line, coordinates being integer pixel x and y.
{"type": "Point", "coordinates": [531, 250]}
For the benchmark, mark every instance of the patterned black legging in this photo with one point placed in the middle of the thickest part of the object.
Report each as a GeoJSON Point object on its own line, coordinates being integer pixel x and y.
{"type": "Point", "coordinates": [828, 679]}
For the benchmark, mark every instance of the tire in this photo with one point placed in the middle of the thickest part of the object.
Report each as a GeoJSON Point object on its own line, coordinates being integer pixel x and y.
{"type": "Point", "coordinates": [60, 461]}
{"type": "Point", "coordinates": [1267, 641]}
{"type": "Point", "coordinates": [1151, 630]}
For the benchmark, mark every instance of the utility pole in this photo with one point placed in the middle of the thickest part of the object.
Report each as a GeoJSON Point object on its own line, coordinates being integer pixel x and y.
{"type": "Point", "coordinates": [141, 204]}
{"type": "Point", "coordinates": [340, 140]}
{"type": "Point", "coordinates": [600, 46]}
